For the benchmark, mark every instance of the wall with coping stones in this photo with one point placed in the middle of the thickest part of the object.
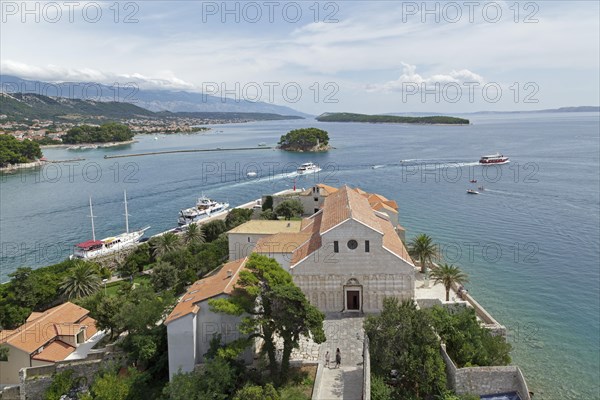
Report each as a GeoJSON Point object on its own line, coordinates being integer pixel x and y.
{"type": "Point", "coordinates": [485, 380]}
{"type": "Point", "coordinates": [366, 395]}
{"type": "Point", "coordinates": [36, 380]}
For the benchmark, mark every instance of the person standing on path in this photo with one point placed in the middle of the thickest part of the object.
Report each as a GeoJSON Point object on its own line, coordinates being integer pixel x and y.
{"type": "Point", "coordinates": [338, 358]}
{"type": "Point", "coordinates": [327, 358]}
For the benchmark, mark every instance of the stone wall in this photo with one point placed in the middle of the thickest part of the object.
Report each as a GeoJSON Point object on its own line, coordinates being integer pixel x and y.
{"type": "Point", "coordinates": [366, 370]}
{"type": "Point", "coordinates": [485, 380]}
{"type": "Point", "coordinates": [10, 393]}
{"type": "Point", "coordinates": [36, 380]}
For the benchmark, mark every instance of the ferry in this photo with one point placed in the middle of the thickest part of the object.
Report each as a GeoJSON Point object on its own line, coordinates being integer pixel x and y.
{"type": "Point", "coordinates": [205, 207]}
{"type": "Point", "coordinates": [308, 168]}
{"type": "Point", "coordinates": [495, 159]}
{"type": "Point", "coordinates": [95, 248]}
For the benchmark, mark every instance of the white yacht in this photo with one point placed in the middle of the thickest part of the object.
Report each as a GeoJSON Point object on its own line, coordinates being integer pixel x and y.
{"type": "Point", "coordinates": [95, 248]}
{"type": "Point", "coordinates": [308, 168]}
{"type": "Point", "coordinates": [205, 207]}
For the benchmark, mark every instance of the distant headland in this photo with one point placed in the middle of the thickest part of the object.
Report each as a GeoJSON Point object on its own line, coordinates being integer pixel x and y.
{"type": "Point", "coordinates": [391, 119]}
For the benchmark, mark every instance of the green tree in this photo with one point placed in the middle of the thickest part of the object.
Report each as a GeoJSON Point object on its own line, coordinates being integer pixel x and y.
{"type": "Point", "coordinates": [423, 248]}
{"type": "Point", "coordinates": [164, 276]}
{"type": "Point", "coordinates": [379, 389]}
{"type": "Point", "coordinates": [467, 342]}
{"type": "Point", "coordinates": [304, 139]}
{"type": "Point", "coordinates": [62, 383]}
{"type": "Point", "coordinates": [106, 312]}
{"type": "Point", "coordinates": [402, 339]}
{"type": "Point", "coordinates": [253, 392]}
{"type": "Point", "coordinates": [193, 234]}
{"type": "Point", "coordinates": [237, 216]}
{"type": "Point", "coordinates": [213, 229]}
{"type": "Point", "coordinates": [268, 214]}
{"type": "Point", "coordinates": [448, 275]}
{"type": "Point", "coordinates": [268, 204]}
{"type": "Point", "coordinates": [272, 305]}
{"type": "Point", "coordinates": [289, 208]}
{"type": "Point", "coordinates": [83, 281]}
{"type": "Point", "coordinates": [217, 381]}
{"type": "Point", "coordinates": [165, 244]}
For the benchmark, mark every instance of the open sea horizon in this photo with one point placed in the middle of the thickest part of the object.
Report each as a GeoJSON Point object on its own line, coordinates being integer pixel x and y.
{"type": "Point", "coordinates": [530, 242]}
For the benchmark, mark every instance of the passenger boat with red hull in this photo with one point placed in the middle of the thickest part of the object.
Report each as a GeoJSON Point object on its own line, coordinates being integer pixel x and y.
{"type": "Point", "coordinates": [494, 159]}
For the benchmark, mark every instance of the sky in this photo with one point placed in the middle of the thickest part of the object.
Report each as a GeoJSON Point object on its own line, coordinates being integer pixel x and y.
{"type": "Point", "coordinates": [353, 56]}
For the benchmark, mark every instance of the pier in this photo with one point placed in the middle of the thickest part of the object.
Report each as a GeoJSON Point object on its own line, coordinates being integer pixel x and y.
{"type": "Point", "coordinates": [153, 153]}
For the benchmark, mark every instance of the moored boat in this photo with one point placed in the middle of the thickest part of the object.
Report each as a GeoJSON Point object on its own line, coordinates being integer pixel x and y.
{"type": "Point", "coordinates": [95, 248]}
{"type": "Point", "coordinates": [493, 159]}
{"type": "Point", "coordinates": [204, 208]}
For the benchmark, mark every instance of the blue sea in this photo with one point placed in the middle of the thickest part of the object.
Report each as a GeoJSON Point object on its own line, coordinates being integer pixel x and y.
{"type": "Point", "coordinates": [529, 242]}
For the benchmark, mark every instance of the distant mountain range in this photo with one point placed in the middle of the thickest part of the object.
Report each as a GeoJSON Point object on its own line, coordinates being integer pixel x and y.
{"type": "Point", "coordinates": [21, 106]}
{"type": "Point", "coordinates": [153, 100]}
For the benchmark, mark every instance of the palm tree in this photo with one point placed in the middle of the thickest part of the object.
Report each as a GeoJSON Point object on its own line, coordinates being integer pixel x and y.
{"type": "Point", "coordinates": [193, 234]}
{"type": "Point", "coordinates": [165, 244]}
{"type": "Point", "coordinates": [82, 282]}
{"type": "Point", "coordinates": [448, 275]}
{"type": "Point", "coordinates": [423, 248]}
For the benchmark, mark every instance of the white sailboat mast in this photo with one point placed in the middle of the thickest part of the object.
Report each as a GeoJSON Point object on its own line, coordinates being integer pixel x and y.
{"type": "Point", "coordinates": [92, 218]}
{"type": "Point", "coordinates": [126, 213]}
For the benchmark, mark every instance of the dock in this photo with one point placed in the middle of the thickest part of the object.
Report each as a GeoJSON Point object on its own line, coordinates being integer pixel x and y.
{"type": "Point", "coordinates": [223, 214]}
{"type": "Point", "coordinates": [153, 153]}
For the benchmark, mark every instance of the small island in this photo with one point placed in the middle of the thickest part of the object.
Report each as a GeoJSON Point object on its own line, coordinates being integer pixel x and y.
{"type": "Point", "coordinates": [391, 119]}
{"type": "Point", "coordinates": [305, 140]}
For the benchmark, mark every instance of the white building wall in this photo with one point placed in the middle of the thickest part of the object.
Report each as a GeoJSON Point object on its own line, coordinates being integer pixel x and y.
{"type": "Point", "coordinates": [181, 336]}
{"type": "Point", "coordinates": [242, 244]}
{"type": "Point", "coordinates": [210, 323]}
{"type": "Point", "coordinates": [323, 275]}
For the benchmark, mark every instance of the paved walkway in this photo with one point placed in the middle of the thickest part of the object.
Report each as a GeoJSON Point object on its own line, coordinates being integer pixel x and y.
{"type": "Point", "coordinates": [343, 331]}
{"type": "Point", "coordinates": [347, 334]}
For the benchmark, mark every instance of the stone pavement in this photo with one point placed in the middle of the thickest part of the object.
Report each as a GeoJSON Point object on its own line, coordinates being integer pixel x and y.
{"type": "Point", "coordinates": [343, 331]}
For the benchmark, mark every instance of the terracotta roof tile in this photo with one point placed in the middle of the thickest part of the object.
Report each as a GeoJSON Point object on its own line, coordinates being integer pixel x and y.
{"type": "Point", "coordinates": [219, 282]}
{"type": "Point", "coordinates": [34, 334]}
{"type": "Point", "coordinates": [392, 242]}
{"type": "Point", "coordinates": [55, 351]}
{"type": "Point", "coordinates": [268, 227]}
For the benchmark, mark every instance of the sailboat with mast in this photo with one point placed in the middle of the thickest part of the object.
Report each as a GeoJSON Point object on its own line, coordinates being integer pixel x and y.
{"type": "Point", "coordinates": [95, 248]}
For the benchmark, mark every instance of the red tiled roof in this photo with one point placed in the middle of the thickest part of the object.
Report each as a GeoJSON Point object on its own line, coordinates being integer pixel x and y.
{"type": "Point", "coordinates": [44, 327]}
{"type": "Point", "coordinates": [392, 242]}
{"type": "Point", "coordinates": [213, 285]}
{"type": "Point", "coordinates": [55, 351]}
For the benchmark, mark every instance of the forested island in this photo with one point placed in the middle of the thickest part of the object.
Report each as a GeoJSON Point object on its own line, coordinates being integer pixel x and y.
{"type": "Point", "coordinates": [13, 151]}
{"type": "Point", "coordinates": [391, 119]}
{"type": "Point", "coordinates": [305, 139]}
{"type": "Point", "coordinates": [109, 132]}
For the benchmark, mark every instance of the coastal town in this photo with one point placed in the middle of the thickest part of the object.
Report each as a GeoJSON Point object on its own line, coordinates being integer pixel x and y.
{"type": "Point", "coordinates": [342, 248]}
{"type": "Point", "coordinates": [49, 131]}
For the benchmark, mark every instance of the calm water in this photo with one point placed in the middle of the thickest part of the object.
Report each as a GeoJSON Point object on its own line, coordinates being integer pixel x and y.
{"type": "Point", "coordinates": [530, 241]}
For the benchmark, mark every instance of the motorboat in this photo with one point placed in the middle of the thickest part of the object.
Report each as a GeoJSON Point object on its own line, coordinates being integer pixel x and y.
{"type": "Point", "coordinates": [471, 191]}
{"type": "Point", "coordinates": [204, 208]}
{"type": "Point", "coordinates": [308, 168]}
{"type": "Point", "coordinates": [493, 159]}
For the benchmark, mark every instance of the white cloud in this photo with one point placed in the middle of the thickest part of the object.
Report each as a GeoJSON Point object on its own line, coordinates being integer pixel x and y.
{"type": "Point", "coordinates": [53, 73]}
{"type": "Point", "coordinates": [410, 76]}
